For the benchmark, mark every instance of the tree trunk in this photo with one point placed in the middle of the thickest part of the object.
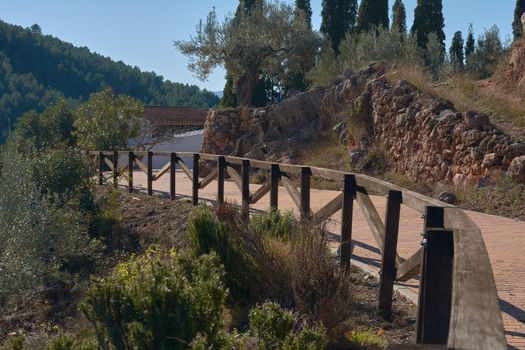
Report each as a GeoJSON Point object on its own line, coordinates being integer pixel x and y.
{"type": "Point", "coordinates": [245, 87]}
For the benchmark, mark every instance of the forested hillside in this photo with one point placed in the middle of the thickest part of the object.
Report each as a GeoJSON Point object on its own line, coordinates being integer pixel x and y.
{"type": "Point", "coordinates": [37, 69]}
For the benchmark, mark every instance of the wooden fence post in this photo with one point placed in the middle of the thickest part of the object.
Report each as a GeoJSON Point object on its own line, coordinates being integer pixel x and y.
{"type": "Point", "coordinates": [347, 217]}
{"type": "Point", "coordinates": [115, 169]}
{"type": "Point", "coordinates": [221, 164]}
{"type": "Point", "coordinates": [305, 193]}
{"type": "Point", "coordinates": [435, 286]}
{"type": "Point", "coordinates": [131, 159]}
{"type": "Point", "coordinates": [173, 174]}
{"type": "Point", "coordinates": [150, 173]}
{"type": "Point", "coordinates": [245, 175]}
{"type": "Point", "coordinates": [196, 158]}
{"type": "Point", "coordinates": [388, 258]}
{"type": "Point", "coordinates": [100, 168]}
{"type": "Point", "coordinates": [275, 175]}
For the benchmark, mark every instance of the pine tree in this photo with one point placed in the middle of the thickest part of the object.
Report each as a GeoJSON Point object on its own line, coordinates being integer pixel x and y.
{"type": "Point", "coordinates": [457, 53]}
{"type": "Point", "coordinates": [304, 5]}
{"type": "Point", "coordinates": [338, 18]}
{"type": "Point", "coordinates": [372, 13]}
{"type": "Point", "coordinates": [399, 17]}
{"type": "Point", "coordinates": [470, 46]}
{"type": "Point", "coordinates": [517, 26]}
{"type": "Point", "coordinates": [428, 18]}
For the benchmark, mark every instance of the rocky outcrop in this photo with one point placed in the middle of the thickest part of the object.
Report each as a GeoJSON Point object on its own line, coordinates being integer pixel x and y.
{"type": "Point", "coordinates": [426, 138]}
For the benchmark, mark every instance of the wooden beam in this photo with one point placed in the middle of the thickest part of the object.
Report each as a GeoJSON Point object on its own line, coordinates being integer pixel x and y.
{"type": "Point", "coordinates": [292, 191]}
{"type": "Point", "coordinates": [108, 162]}
{"type": "Point", "coordinates": [150, 173]}
{"type": "Point", "coordinates": [372, 217]}
{"type": "Point", "coordinates": [221, 165]}
{"type": "Point", "coordinates": [388, 258]}
{"type": "Point", "coordinates": [349, 192]}
{"type": "Point", "coordinates": [115, 169]}
{"type": "Point", "coordinates": [306, 212]}
{"type": "Point", "coordinates": [328, 210]}
{"type": "Point", "coordinates": [195, 179]}
{"type": "Point", "coordinates": [141, 165]}
{"type": "Point", "coordinates": [131, 158]}
{"type": "Point", "coordinates": [245, 191]}
{"type": "Point", "coordinates": [275, 176]}
{"type": "Point", "coordinates": [234, 175]}
{"type": "Point", "coordinates": [101, 168]}
{"type": "Point", "coordinates": [184, 167]}
{"type": "Point", "coordinates": [162, 171]}
{"type": "Point", "coordinates": [261, 192]}
{"type": "Point", "coordinates": [410, 268]}
{"type": "Point", "coordinates": [208, 179]}
{"type": "Point", "coordinates": [173, 175]}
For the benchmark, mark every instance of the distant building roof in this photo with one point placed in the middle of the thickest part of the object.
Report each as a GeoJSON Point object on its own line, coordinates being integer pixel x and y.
{"type": "Point", "coordinates": [170, 115]}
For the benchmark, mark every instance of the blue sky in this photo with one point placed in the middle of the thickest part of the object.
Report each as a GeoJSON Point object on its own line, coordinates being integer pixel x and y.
{"type": "Point", "coordinates": [141, 33]}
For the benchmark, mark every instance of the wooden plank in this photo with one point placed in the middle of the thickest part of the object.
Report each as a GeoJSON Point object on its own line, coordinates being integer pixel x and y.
{"type": "Point", "coordinates": [372, 217]}
{"type": "Point", "coordinates": [349, 192]}
{"type": "Point", "coordinates": [275, 175]}
{"type": "Point", "coordinates": [235, 177]}
{"type": "Point", "coordinates": [141, 165]}
{"type": "Point", "coordinates": [221, 165]}
{"type": "Point", "coordinates": [261, 192]}
{"type": "Point", "coordinates": [475, 320]}
{"type": "Point", "coordinates": [388, 258]}
{"type": "Point", "coordinates": [150, 173]}
{"type": "Point", "coordinates": [115, 169]}
{"type": "Point", "coordinates": [173, 175]}
{"type": "Point", "coordinates": [108, 162]}
{"type": "Point", "coordinates": [184, 168]}
{"type": "Point", "coordinates": [211, 157]}
{"type": "Point", "coordinates": [328, 210]}
{"type": "Point", "coordinates": [208, 179]}
{"type": "Point", "coordinates": [329, 173]}
{"type": "Point", "coordinates": [306, 212]}
{"type": "Point", "coordinates": [410, 268]}
{"type": "Point", "coordinates": [162, 171]}
{"type": "Point", "coordinates": [245, 191]}
{"type": "Point", "coordinates": [195, 179]}
{"type": "Point", "coordinates": [101, 168]}
{"type": "Point", "coordinates": [292, 191]}
{"type": "Point", "coordinates": [131, 158]}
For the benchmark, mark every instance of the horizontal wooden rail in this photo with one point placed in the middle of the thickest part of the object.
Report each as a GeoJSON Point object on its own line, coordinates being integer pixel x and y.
{"type": "Point", "coordinates": [458, 302]}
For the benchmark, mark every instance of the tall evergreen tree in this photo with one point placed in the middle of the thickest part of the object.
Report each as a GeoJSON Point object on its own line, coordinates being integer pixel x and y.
{"type": "Point", "coordinates": [229, 98]}
{"type": "Point", "coordinates": [372, 13]}
{"type": "Point", "coordinates": [304, 5]}
{"type": "Point", "coordinates": [457, 53]}
{"type": "Point", "coordinates": [517, 26]}
{"type": "Point", "coordinates": [428, 18]}
{"type": "Point", "coordinates": [338, 18]}
{"type": "Point", "coordinates": [399, 17]}
{"type": "Point", "coordinates": [470, 46]}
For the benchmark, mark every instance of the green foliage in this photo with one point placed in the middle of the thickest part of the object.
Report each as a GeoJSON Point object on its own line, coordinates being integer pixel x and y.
{"type": "Point", "coordinates": [205, 235]}
{"type": "Point", "coordinates": [38, 70]}
{"type": "Point", "coordinates": [399, 17]}
{"type": "Point", "coordinates": [273, 224]}
{"type": "Point", "coordinates": [16, 342]}
{"type": "Point", "coordinates": [457, 53]}
{"type": "Point", "coordinates": [40, 243]}
{"type": "Point", "coordinates": [229, 99]}
{"type": "Point", "coordinates": [470, 47]}
{"type": "Point", "coordinates": [434, 57]}
{"type": "Point", "coordinates": [367, 340]}
{"type": "Point", "coordinates": [270, 41]}
{"type": "Point", "coordinates": [374, 163]}
{"type": "Point", "coordinates": [372, 13]}
{"type": "Point", "coordinates": [517, 26]}
{"type": "Point", "coordinates": [428, 18]}
{"type": "Point", "coordinates": [325, 69]}
{"type": "Point", "coordinates": [51, 128]}
{"type": "Point", "coordinates": [488, 53]}
{"type": "Point", "coordinates": [158, 301]}
{"type": "Point", "coordinates": [80, 341]}
{"type": "Point", "coordinates": [306, 8]}
{"type": "Point", "coordinates": [108, 121]}
{"type": "Point", "coordinates": [338, 19]}
{"type": "Point", "coordinates": [274, 329]}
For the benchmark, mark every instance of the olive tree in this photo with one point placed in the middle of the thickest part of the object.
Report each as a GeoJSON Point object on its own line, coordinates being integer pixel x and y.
{"type": "Point", "coordinates": [270, 40]}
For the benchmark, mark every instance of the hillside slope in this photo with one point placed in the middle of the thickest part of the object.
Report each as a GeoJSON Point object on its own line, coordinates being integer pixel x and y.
{"type": "Point", "coordinates": [37, 69]}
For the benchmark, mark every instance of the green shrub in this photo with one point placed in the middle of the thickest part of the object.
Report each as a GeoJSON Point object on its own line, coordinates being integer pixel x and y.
{"type": "Point", "coordinates": [367, 340]}
{"type": "Point", "coordinates": [14, 343]}
{"type": "Point", "coordinates": [274, 224]}
{"type": "Point", "coordinates": [158, 301]}
{"type": "Point", "coordinates": [205, 235]}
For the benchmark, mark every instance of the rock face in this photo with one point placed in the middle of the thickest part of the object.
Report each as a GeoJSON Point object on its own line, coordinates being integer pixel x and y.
{"type": "Point", "coordinates": [425, 137]}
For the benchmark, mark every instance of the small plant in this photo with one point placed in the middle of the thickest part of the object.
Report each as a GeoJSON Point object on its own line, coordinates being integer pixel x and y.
{"type": "Point", "coordinates": [366, 340]}
{"type": "Point", "coordinates": [158, 301]}
{"type": "Point", "coordinates": [274, 224]}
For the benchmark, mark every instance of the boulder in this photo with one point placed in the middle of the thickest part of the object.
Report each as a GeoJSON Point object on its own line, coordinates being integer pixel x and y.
{"type": "Point", "coordinates": [516, 169]}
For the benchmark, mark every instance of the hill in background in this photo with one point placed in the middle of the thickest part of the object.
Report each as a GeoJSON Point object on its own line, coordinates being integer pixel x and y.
{"type": "Point", "coordinates": [36, 70]}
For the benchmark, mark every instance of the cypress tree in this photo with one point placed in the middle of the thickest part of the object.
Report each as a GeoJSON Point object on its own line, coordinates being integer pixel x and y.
{"type": "Point", "coordinates": [372, 13]}
{"type": "Point", "coordinates": [304, 5]}
{"type": "Point", "coordinates": [470, 46]}
{"type": "Point", "coordinates": [229, 98]}
{"type": "Point", "coordinates": [457, 54]}
{"type": "Point", "coordinates": [399, 17]}
{"type": "Point", "coordinates": [428, 18]}
{"type": "Point", "coordinates": [517, 26]}
{"type": "Point", "coordinates": [338, 18]}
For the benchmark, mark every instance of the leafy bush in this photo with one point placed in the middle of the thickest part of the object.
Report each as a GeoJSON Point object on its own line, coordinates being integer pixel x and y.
{"type": "Point", "coordinates": [367, 340]}
{"type": "Point", "coordinates": [273, 224]}
{"type": "Point", "coordinates": [38, 241]}
{"type": "Point", "coordinates": [374, 163]}
{"type": "Point", "coordinates": [205, 235]}
{"type": "Point", "coordinates": [158, 301]}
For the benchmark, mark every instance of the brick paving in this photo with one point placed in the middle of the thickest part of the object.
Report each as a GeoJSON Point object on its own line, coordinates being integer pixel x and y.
{"type": "Point", "coordinates": [504, 238]}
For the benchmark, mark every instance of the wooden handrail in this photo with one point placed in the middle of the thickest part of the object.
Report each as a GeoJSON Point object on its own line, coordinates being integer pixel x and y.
{"type": "Point", "coordinates": [469, 305]}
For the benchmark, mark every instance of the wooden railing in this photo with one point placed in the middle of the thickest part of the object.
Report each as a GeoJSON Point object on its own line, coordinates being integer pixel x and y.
{"type": "Point", "coordinates": [458, 303]}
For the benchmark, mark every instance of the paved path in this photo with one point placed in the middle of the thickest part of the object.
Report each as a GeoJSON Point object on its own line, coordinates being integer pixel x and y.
{"type": "Point", "coordinates": [504, 238]}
